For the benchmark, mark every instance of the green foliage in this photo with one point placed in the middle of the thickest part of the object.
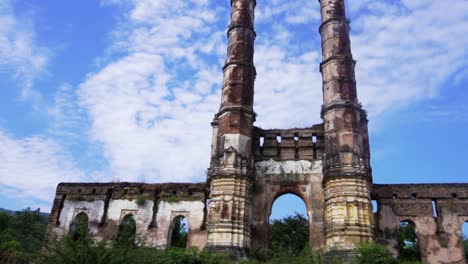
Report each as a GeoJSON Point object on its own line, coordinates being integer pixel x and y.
{"type": "Point", "coordinates": [289, 236]}
{"type": "Point", "coordinates": [140, 200]}
{"type": "Point", "coordinates": [75, 197]}
{"type": "Point", "coordinates": [79, 228]}
{"type": "Point", "coordinates": [371, 253]}
{"type": "Point", "coordinates": [408, 242]}
{"type": "Point", "coordinates": [70, 251]}
{"type": "Point", "coordinates": [171, 199]}
{"type": "Point", "coordinates": [21, 236]}
{"type": "Point", "coordinates": [179, 234]}
{"type": "Point", "coordinates": [127, 232]}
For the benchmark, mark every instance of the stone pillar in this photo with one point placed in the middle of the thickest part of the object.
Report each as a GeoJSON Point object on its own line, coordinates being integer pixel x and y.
{"type": "Point", "coordinates": [347, 173]}
{"type": "Point", "coordinates": [231, 170]}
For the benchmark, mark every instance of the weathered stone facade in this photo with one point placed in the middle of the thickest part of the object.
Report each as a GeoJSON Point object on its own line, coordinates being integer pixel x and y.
{"type": "Point", "coordinates": [327, 165]}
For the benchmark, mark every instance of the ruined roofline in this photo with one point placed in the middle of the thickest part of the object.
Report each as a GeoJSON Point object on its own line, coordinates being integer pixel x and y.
{"type": "Point", "coordinates": [131, 187]}
{"type": "Point", "coordinates": [289, 144]}
{"type": "Point", "coordinates": [317, 128]}
{"type": "Point", "coordinates": [420, 191]}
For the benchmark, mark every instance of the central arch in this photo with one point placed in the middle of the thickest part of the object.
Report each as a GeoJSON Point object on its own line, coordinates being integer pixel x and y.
{"type": "Point", "coordinates": [289, 225]}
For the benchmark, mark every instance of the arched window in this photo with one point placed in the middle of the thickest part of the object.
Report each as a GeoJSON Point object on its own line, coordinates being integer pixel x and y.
{"type": "Point", "coordinates": [289, 226]}
{"type": "Point", "coordinates": [465, 239]}
{"type": "Point", "coordinates": [408, 242]}
{"type": "Point", "coordinates": [79, 226]}
{"type": "Point", "coordinates": [127, 230]}
{"type": "Point", "coordinates": [178, 233]}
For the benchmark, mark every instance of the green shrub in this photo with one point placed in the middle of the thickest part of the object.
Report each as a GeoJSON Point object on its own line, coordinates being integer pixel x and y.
{"type": "Point", "coordinates": [371, 253]}
{"type": "Point", "coordinates": [171, 199]}
{"type": "Point", "coordinates": [140, 200]}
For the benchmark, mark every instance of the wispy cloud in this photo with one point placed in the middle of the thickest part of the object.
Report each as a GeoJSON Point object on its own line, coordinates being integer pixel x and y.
{"type": "Point", "coordinates": [31, 167]}
{"type": "Point", "coordinates": [19, 52]}
{"type": "Point", "coordinates": [407, 50]}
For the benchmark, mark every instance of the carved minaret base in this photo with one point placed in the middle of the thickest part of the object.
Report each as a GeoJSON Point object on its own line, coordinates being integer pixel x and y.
{"type": "Point", "coordinates": [231, 170]}
{"type": "Point", "coordinates": [347, 173]}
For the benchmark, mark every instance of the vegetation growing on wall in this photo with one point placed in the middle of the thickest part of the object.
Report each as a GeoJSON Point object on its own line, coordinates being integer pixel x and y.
{"type": "Point", "coordinates": [140, 200]}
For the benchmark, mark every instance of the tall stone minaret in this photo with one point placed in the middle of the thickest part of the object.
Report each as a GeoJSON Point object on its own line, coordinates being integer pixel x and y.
{"type": "Point", "coordinates": [346, 168]}
{"type": "Point", "coordinates": [231, 170]}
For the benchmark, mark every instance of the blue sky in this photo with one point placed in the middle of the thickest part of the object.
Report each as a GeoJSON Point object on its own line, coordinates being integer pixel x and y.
{"type": "Point", "coordinates": [122, 90]}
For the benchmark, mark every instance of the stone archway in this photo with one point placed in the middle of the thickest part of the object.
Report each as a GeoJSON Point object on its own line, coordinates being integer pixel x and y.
{"type": "Point", "coordinates": [289, 225]}
{"type": "Point", "coordinates": [277, 178]}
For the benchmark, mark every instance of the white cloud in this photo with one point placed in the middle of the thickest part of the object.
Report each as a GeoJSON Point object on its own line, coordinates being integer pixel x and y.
{"type": "Point", "coordinates": [151, 107]}
{"type": "Point", "coordinates": [19, 52]}
{"type": "Point", "coordinates": [407, 50]}
{"type": "Point", "coordinates": [32, 167]}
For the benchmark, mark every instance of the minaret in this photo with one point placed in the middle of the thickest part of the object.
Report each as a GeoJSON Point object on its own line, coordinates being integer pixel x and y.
{"type": "Point", "coordinates": [231, 170]}
{"type": "Point", "coordinates": [347, 172]}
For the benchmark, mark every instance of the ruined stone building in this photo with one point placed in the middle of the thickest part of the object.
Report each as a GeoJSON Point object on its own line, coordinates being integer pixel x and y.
{"type": "Point", "coordinates": [327, 165]}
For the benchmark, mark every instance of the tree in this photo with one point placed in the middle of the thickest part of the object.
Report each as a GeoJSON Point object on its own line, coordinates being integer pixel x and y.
{"type": "Point", "coordinates": [408, 242]}
{"type": "Point", "coordinates": [21, 236]}
{"type": "Point", "coordinates": [4, 221]}
{"type": "Point", "coordinates": [289, 235]}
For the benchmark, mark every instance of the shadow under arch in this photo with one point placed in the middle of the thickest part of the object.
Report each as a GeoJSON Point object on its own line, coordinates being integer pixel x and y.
{"type": "Point", "coordinates": [291, 233]}
{"type": "Point", "coordinates": [79, 226]}
{"type": "Point", "coordinates": [127, 230]}
{"type": "Point", "coordinates": [178, 232]}
{"type": "Point", "coordinates": [408, 242]}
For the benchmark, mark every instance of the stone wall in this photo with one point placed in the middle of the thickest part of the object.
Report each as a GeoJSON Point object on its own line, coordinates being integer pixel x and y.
{"type": "Point", "coordinates": [437, 210]}
{"type": "Point", "coordinates": [288, 161]}
{"type": "Point", "coordinates": [106, 204]}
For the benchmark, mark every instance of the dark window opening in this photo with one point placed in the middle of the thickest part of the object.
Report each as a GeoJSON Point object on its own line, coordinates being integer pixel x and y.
{"type": "Point", "coordinates": [179, 232]}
